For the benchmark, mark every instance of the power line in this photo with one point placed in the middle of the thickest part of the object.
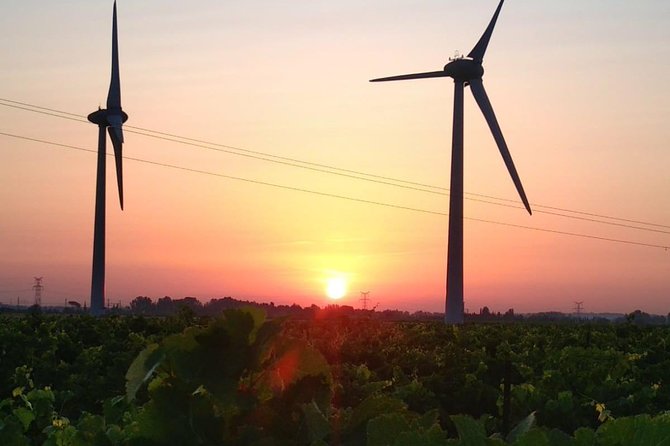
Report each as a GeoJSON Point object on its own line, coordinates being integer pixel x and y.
{"type": "Point", "coordinates": [343, 197]}
{"type": "Point", "coordinates": [248, 180]}
{"type": "Point", "coordinates": [574, 217]}
{"type": "Point", "coordinates": [82, 118]}
{"type": "Point", "coordinates": [354, 174]}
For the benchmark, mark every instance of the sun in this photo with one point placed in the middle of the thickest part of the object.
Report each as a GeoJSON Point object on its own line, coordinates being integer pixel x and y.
{"type": "Point", "coordinates": [336, 287]}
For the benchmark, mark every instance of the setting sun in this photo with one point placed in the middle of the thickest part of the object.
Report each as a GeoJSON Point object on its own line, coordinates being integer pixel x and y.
{"type": "Point", "coordinates": [336, 287]}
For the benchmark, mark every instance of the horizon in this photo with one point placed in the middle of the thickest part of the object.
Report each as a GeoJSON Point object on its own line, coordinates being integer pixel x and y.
{"type": "Point", "coordinates": [291, 82]}
{"type": "Point", "coordinates": [330, 304]}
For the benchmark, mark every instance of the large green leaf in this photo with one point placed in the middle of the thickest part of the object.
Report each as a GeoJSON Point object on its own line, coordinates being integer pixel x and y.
{"type": "Point", "coordinates": [470, 431]}
{"type": "Point", "coordinates": [641, 430]}
{"type": "Point", "coordinates": [293, 361]}
{"type": "Point", "coordinates": [25, 416]}
{"type": "Point", "coordinates": [655, 431]}
{"type": "Point", "coordinates": [141, 369]}
{"type": "Point", "coordinates": [521, 428]}
{"type": "Point", "coordinates": [258, 317]}
{"type": "Point", "coordinates": [617, 432]}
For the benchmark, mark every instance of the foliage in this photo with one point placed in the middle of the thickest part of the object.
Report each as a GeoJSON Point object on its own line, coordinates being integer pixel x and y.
{"type": "Point", "coordinates": [28, 417]}
{"type": "Point", "coordinates": [242, 379]}
{"type": "Point", "coordinates": [233, 382]}
{"type": "Point", "coordinates": [84, 358]}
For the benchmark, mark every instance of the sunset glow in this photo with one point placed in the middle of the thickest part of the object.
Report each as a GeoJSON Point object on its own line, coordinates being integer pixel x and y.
{"type": "Point", "coordinates": [336, 287]}
{"type": "Point", "coordinates": [313, 180]}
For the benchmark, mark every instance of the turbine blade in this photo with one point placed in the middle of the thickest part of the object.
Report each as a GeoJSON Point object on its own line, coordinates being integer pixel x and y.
{"type": "Point", "coordinates": [116, 135]}
{"type": "Point", "coordinates": [115, 122]}
{"type": "Point", "coordinates": [482, 99]}
{"type": "Point", "coordinates": [479, 50]}
{"type": "Point", "coordinates": [114, 95]}
{"type": "Point", "coordinates": [403, 77]}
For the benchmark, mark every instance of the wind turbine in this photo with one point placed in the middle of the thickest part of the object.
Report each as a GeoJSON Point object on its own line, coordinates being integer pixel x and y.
{"type": "Point", "coordinates": [110, 119]}
{"type": "Point", "coordinates": [465, 71]}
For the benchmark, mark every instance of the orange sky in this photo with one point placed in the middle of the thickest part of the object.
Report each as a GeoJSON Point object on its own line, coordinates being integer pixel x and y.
{"type": "Point", "coordinates": [577, 88]}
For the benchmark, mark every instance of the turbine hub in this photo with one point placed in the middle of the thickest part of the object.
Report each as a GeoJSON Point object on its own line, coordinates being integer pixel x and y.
{"type": "Point", "coordinates": [100, 116]}
{"type": "Point", "coordinates": [464, 69]}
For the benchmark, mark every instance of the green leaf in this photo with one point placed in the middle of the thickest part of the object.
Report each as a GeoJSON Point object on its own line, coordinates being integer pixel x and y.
{"type": "Point", "coordinates": [115, 434]}
{"type": "Point", "coordinates": [559, 438]}
{"type": "Point", "coordinates": [312, 363]}
{"type": "Point", "coordinates": [294, 361]}
{"type": "Point", "coordinates": [141, 369]}
{"type": "Point", "coordinates": [385, 429]}
{"type": "Point", "coordinates": [11, 433]}
{"type": "Point", "coordinates": [521, 428]}
{"type": "Point", "coordinates": [418, 438]}
{"type": "Point", "coordinates": [113, 409]}
{"type": "Point", "coordinates": [372, 407]}
{"type": "Point", "coordinates": [616, 432]}
{"type": "Point", "coordinates": [89, 427]}
{"type": "Point", "coordinates": [41, 402]}
{"type": "Point", "coordinates": [25, 416]}
{"type": "Point", "coordinates": [655, 431]}
{"type": "Point", "coordinates": [470, 431]}
{"type": "Point", "coordinates": [533, 437]}
{"type": "Point", "coordinates": [429, 419]}
{"type": "Point", "coordinates": [5, 403]}
{"type": "Point", "coordinates": [585, 437]}
{"type": "Point", "coordinates": [318, 425]}
{"type": "Point", "coordinates": [239, 324]}
{"type": "Point", "coordinates": [258, 317]}
{"type": "Point", "coordinates": [638, 430]}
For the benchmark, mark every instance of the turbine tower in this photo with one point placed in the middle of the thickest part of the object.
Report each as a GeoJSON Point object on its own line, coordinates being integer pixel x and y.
{"type": "Point", "coordinates": [465, 71]}
{"type": "Point", "coordinates": [110, 119]}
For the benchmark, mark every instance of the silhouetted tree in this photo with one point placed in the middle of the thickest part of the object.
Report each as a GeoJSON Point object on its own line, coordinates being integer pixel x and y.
{"type": "Point", "coordinates": [142, 305]}
{"type": "Point", "coordinates": [165, 306]}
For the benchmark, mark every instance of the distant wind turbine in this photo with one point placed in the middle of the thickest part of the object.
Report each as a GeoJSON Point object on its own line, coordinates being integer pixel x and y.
{"type": "Point", "coordinates": [465, 71]}
{"type": "Point", "coordinates": [112, 119]}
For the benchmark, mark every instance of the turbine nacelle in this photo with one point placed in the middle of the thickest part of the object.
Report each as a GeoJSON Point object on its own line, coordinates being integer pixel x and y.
{"type": "Point", "coordinates": [108, 118]}
{"type": "Point", "coordinates": [463, 69]}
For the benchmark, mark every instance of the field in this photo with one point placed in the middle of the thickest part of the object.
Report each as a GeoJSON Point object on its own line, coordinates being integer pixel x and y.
{"type": "Point", "coordinates": [244, 379]}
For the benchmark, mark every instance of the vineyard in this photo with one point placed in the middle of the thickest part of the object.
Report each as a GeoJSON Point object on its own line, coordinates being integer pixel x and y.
{"type": "Point", "coordinates": [243, 379]}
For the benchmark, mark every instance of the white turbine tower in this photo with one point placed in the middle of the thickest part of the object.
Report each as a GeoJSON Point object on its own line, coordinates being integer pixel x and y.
{"type": "Point", "coordinates": [112, 119]}
{"type": "Point", "coordinates": [465, 71]}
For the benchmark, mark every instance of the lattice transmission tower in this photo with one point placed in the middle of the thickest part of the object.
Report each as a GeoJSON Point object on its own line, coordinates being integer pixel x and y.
{"type": "Point", "coordinates": [38, 287]}
{"type": "Point", "coordinates": [364, 299]}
